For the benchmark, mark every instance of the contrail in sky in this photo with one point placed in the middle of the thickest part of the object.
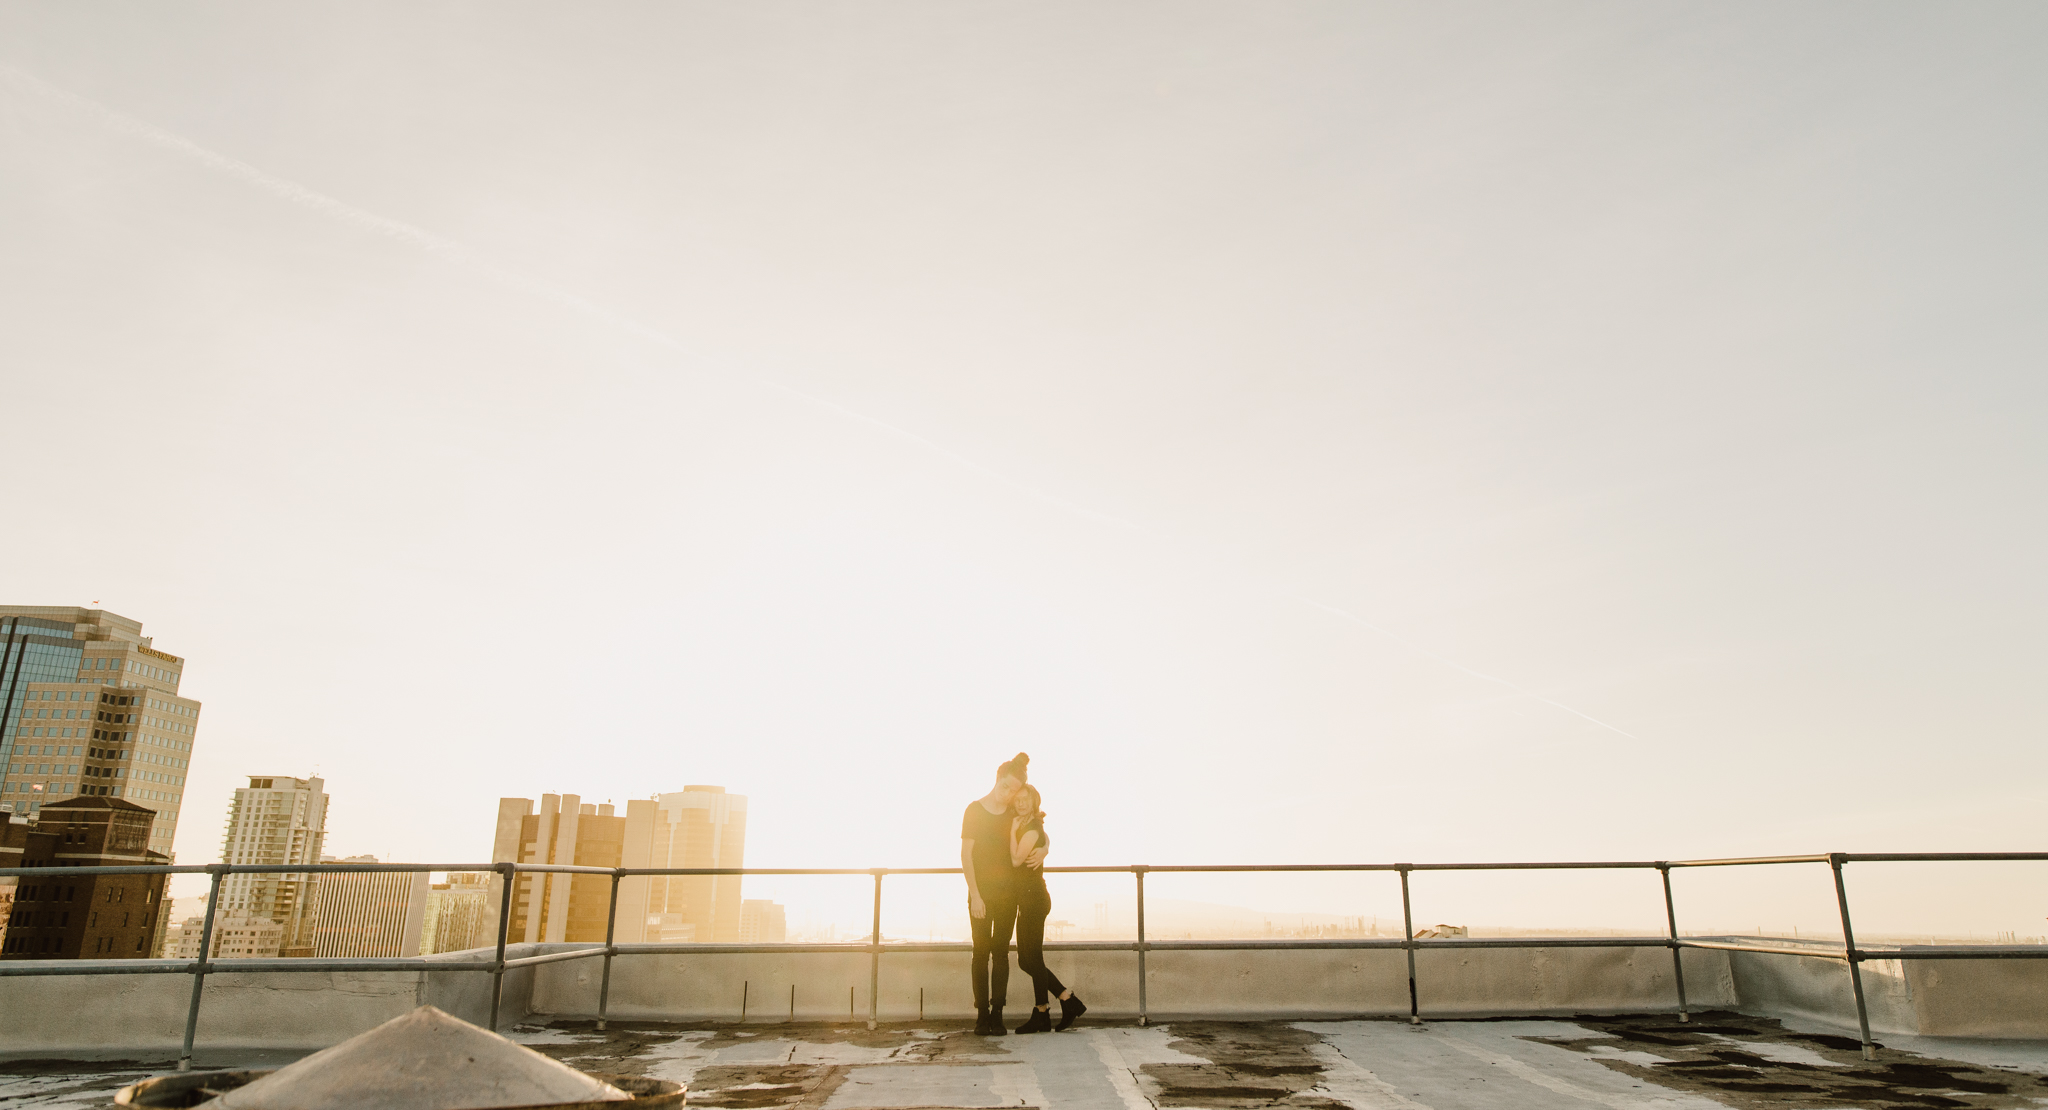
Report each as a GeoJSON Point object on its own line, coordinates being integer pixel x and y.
{"type": "Point", "coordinates": [460, 255]}
{"type": "Point", "coordinates": [451, 251]}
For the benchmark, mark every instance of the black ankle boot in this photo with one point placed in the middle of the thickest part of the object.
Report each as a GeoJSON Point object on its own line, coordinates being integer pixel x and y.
{"type": "Point", "coordinates": [995, 1022]}
{"type": "Point", "coordinates": [981, 1021]}
{"type": "Point", "coordinates": [1071, 1007]}
{"type": "Point", "coordinates": [1040, 1021]}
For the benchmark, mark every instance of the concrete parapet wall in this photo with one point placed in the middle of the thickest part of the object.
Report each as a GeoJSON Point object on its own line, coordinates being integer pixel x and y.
{"type": "Point", "coordinates": [1244, 984]}
{"type": "Point", "coordinates": [1978, 998]}
{"type": "Point", "coordinates": [1818, 990]}
{"type": "Point", "coordinates": [144, 1015]}
{"type": "Point", "coordinates": [1934, 998]}
{"type": "Point", "coordinates": [1487, 981]}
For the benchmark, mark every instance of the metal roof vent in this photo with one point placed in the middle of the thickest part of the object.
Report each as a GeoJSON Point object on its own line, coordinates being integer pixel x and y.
{"type": "Point", "coordinates": [425, 1060]}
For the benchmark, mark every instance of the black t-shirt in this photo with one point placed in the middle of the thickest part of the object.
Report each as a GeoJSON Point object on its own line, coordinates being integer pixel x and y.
{"type": "Point", "coordinates": [991, 835]}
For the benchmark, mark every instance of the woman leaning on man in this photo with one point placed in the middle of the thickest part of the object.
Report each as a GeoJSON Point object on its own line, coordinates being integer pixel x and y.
{"type": "Point", "coordinates": [1028, 843]}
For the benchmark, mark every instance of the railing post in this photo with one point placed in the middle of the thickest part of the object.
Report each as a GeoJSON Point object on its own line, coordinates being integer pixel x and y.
{"type": "Point", "coordinates": [875, 953]}
{"type": "Point", "coordinates": [1671, 919]}
{"type": "Point", "coordinates": [507, 872]}
{"type": "Point", "coordinates": [199, 968]}
{"type": "Point", "coordinates": [1835, 861]}
{"type": "Point", "coordinates": [1143, 1015]}
{"type": "Point", "coordinates": [1408, 941]}
{"type": "Point", "coordinates": [611, 924]}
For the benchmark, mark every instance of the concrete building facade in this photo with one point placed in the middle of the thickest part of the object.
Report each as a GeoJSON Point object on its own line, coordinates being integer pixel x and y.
{"type": "Point", "coordinates": [460, 914]}
{"type": "Point", "coordinates": [565, 829]}
{"type": "Point", "coordinates": [235, 937]}
{"type": "Point", "coordinates": [90, 708]}
{"type": "Point", "coordinates": [98, 917]}
{"type": "Point", "coordinates": [275, 820]}
{"type": "Point", "coordinates": [763, 922]}
{"type": "Point", "coordinates": [367, 913]}
{"type": "Point", "coordinates": [698, 826]}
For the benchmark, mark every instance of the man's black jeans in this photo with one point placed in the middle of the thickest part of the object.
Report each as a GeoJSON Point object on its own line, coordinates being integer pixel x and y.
{"type": "Point", "coordinates": [992, 941]}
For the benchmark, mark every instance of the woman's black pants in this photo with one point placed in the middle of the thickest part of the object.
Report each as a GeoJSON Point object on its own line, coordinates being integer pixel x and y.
{"type": "Point", "coordinates": [1031, 914]}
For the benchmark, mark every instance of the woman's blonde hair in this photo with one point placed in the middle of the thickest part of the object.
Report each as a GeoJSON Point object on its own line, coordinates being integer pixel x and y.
{"type": "Point", "coordinates": [1036, 801]}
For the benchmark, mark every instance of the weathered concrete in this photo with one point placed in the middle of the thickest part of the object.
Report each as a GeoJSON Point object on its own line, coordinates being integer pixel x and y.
{"type": "Point", "coordinates": [1978, 998]}
{"type": "Point", "coordinates": [1246, 985]}
{"type": "Point", "coordinates": [1818, 989]}
{"type": "Point", "coordinates": [1933, 998]}
{"type": "Point", "coordinates": [298, 1010]}
{"type": "Point", "coordinates": [145, 1013]}
{"type": "Point", "coordinates": [1647, 1062]}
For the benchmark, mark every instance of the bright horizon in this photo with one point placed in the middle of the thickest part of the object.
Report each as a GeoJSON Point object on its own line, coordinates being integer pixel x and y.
{"type": "Point", "coordinates": [1315, 432]}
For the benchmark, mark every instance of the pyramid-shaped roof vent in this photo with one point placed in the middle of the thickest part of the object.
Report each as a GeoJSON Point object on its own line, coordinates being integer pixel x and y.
{"type": "Point", "coordinates": [425, 1060]}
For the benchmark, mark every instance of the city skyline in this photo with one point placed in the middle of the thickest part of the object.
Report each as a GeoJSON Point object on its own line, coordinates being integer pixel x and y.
{"type": "Point", "coordinates": [826, 911]}
{"type": "Point", "coordinates": [1414, 432]}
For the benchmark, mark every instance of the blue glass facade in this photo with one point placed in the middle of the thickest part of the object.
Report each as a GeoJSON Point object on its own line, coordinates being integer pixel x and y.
{"type": "Point", "coordinates": [31, 651]}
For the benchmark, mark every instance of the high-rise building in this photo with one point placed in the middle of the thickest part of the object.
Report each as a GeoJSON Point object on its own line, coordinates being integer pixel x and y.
{"type": "Point", "coordinates": [90, 708]}
{"type": "Point", "coordinates": [763, 922]}
{"type": "Point", "coordinates": [460, 914]}
{"type": "Point", "coordinates": [235, 937]}
{"type": "Point", "coordinates": [367, 913]}
{"type": "Point", "coordinates": [698, 826]}
{"type": "Point", "coordinates": [97, 917]}
{"type": "Point", "coordinates": [566, 830]}
{"type": "Point", "coordinates": [276, 821]}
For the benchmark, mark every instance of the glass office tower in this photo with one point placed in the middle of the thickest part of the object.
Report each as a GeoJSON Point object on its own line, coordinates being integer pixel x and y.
{"type": "Point", "coordinates": [89, 706]}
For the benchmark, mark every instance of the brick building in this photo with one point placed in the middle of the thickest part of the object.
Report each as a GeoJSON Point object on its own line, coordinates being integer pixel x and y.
{"type": "Point", "coordinates": [94, 917]}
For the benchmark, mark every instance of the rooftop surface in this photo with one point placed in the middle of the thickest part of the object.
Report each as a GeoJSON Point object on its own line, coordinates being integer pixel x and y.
{"type": "Point", "coordinates": [1620, 1063]}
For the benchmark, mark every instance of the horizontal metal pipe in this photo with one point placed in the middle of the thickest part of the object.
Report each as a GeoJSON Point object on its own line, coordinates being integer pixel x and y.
{"type": "Point", "coordinates": [557, 868]}
{"type": "Point", "coordinates": [1393, 943]}
{"type": "Point", "coordinates": [555, 957]}
{"type": "Point", "coordinates": [1737, 946]}
{"type": "Point", "coordinates": [1957, 952]}
{"type": "Point", "coordinates": [1748, 861]}
{"type": "Point", "coordinates": [248, 868]}
{"type": "Point", "coordinates": [1567, 865]}
{"type": "Point", "coordinates": [748, 949]}
{"type": "Point", "coordinates": [11, 968]}
{"type": "Point", "coordinates": [21, 968]}
{"type": "Point", "coordinates": [326, 868]}
{"type": "Point", "coordinates": [1939, 857]}
{"type": "Point", "coordinates": [1544, 942]}
{"type": "Point", "coordinates": [1273, 944]}
{"type": "Point", "coordinates": [132, 869]}
{"type": "Point", "coordinates": [1902, 952]}
{"type": "Point", "coordinates": [1396, 943]}
{"type": "Point", "coordinates": [629, 872]}
{"type": "Point", "coordinates": [293, 964]}
{"type": "Point", "coordinates": [266, 965]}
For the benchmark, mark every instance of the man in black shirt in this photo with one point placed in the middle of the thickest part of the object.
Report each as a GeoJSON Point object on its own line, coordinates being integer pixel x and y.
{"type": "Point", "coordinates": [991, 892]}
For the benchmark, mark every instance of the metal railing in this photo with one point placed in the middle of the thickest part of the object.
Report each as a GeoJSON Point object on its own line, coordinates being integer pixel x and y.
{"type": "Point", "coordinates": [204, 964]}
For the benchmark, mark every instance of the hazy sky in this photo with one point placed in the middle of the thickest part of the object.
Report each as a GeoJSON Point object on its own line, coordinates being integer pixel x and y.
{"type": "Point", "coordinates": [1314, 431]}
